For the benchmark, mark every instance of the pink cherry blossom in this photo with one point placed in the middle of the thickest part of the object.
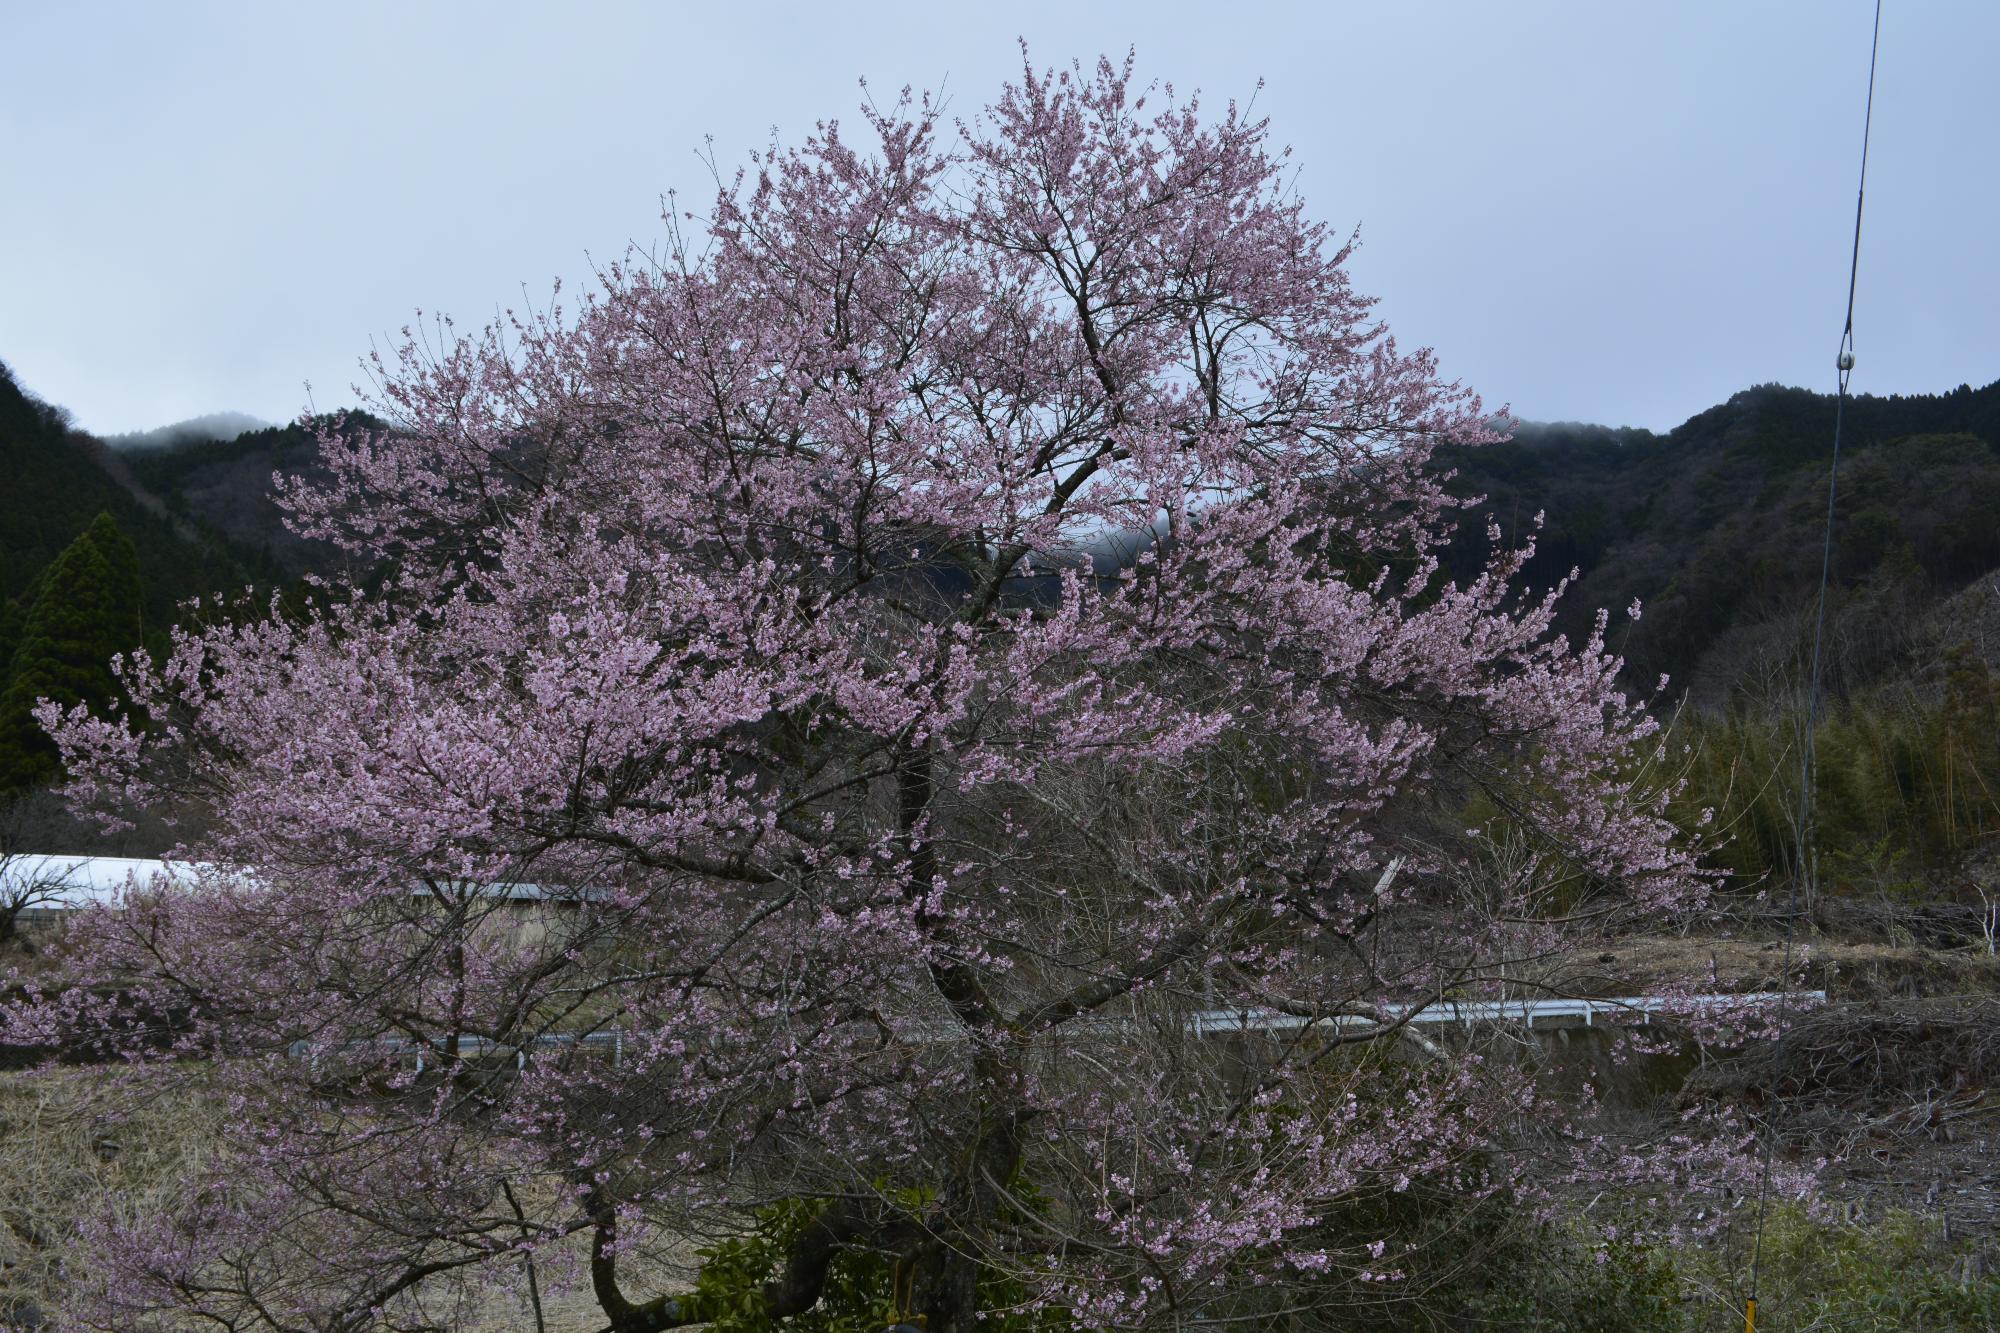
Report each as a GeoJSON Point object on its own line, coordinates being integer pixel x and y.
{"type": "Point", "coordinates": [963, 608]}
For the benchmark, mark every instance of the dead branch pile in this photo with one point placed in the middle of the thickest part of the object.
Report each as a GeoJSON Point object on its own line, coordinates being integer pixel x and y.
{"type": "Point", "coordinates": [1868, 1056]}
{"type": "Point", "coordinates": [1936, 924]}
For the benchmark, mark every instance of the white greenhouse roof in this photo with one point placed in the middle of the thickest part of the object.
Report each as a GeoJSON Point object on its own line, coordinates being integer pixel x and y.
{"type": "Point", "coordinates": [60, 882]}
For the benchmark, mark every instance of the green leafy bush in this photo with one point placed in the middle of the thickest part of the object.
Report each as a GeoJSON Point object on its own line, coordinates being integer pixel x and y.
{"type": "Point", "coordinates": [1897, 1276]}
{"type": "Point", "coordinates": [865, 1290]}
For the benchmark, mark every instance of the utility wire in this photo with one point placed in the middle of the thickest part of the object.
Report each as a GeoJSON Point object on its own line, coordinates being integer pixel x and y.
{"type": "Point", "coordinates": [1807, 862]}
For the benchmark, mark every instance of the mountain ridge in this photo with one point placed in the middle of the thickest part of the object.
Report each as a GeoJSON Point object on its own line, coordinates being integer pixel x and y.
{"type": "Point", "coordinates": [213, 426]}
{"type": "Point", "coordinates": [1717, 526]}
{"type": "Point", "coordinates": [1713, 527]}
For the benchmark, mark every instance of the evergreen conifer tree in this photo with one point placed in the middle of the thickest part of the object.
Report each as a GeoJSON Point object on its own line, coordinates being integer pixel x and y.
{"type": "Point", "coordinates": [10, 636]}
{"type": "Point", "coordinates": [123, 556]}
{"type": "Point", "coordinates": [86, 611]}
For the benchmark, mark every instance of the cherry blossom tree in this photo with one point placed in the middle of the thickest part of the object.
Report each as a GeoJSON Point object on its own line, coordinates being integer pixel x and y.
{"type": "Point", "coordinates": [939, 638]}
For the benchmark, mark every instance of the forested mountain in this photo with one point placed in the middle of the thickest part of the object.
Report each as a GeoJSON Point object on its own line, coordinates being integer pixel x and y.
{"type": "Point", "coordinates": [55, 480]}
{"type": "Point", "coordinates": [99, 547]}
{"type": "Point", "coordinates": [1716, 526]}
{"type": "Point", "coordinates": [223, 487]}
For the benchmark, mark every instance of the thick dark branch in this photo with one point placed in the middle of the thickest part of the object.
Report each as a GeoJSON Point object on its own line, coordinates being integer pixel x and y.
{"type": "Point", "coordinates": [792, 1292]}
{"type": "Point", "coordinates": [958, 983]}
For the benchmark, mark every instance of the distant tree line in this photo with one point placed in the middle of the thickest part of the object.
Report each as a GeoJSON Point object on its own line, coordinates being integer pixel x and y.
{"type": "Point", "coordinates": [1716, 528]}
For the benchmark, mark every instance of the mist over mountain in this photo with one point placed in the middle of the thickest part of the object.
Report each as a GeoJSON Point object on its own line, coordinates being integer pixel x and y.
{"type": "Point", "coordinates": [216, 426]}
{"type": "Point", "coordinates": [223, 487]}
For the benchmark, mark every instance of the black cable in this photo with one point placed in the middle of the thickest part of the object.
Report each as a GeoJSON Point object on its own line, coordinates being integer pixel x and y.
{"type": "Point", "coordinates": [1808, 751]}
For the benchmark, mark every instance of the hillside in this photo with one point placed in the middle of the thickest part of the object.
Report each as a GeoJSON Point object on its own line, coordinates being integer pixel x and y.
{"type": "Point", "coordinates": [55, 480]}
{"type": "Point", "coordinates": [1716, 526]}
{"type": "Point", "coordinates": [223, 487]}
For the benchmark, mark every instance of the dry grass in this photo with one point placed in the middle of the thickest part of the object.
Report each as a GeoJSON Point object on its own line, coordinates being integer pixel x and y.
{"type": "Point", "coordinates": [1901, 1096]}
{"type": "Point", "coordinates": [67, 1153]}
{"type": "Point", "coordinates": [71, 1151]}
{"type": "Point", "coordinates": [1844, 970]}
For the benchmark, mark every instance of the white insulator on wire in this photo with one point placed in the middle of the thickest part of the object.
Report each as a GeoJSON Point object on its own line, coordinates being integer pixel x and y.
{"type": "Point", "coordinates": [1845, 360]}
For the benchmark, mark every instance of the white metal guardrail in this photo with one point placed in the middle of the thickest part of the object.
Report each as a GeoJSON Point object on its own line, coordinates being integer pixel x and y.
{"type": "Point", "coordinates": [1209, 1022]}
{"type": "Point", "coordinates": [66, 883]}
{"type": "Point", "coordinates": [1434, 1013]}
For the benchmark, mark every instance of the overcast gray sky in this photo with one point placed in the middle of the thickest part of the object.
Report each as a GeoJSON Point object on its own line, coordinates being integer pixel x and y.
{"type": "Point", "coordinates": [1594, 211]}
